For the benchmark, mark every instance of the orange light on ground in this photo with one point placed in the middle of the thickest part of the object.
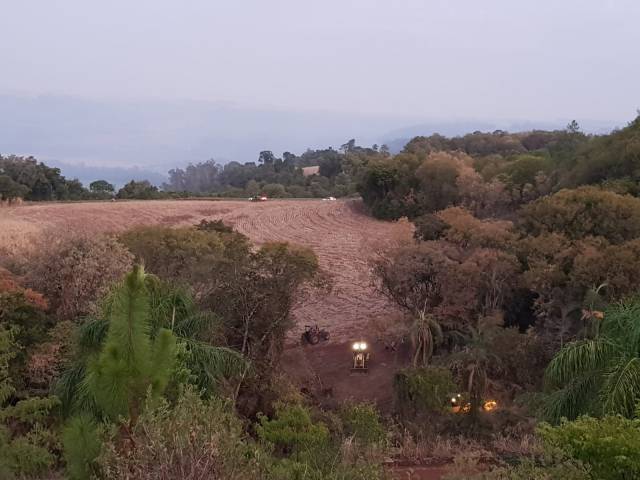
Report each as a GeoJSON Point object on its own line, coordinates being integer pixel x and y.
{"type": "Point", "coordinates": [490, 405]}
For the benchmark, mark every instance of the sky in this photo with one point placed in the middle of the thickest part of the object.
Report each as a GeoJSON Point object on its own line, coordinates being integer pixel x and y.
{"type": "Point", "coordinates": [157, 84]}
{"type": "Point", "coordinates": [520, 59]}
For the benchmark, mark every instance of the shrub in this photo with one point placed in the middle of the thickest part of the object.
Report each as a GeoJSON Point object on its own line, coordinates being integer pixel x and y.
{"type": "Point", "coordinates": [429, 227]}
{"type": "Point", "coordinates": [275, 190]}
{"type": "Point", "coordinates": [214, 226]}
{"type": "Point", "coordinates": [548, 468]}
{"type": "Point", "coordinates": [362, 421]}
{"type": "Point", "coordinates": [29, 324]}
{"type": "Point", "coordinates": [74, 273]}
{"type": "Point", "coordinates": [142, 190]}
{"type": "Point", "coordinates": [423, 389]}
{"type": "Point", "coordinates": [292, 433]}
{"type": "Point", "coordinates": [182, 254]}
{"type": "Point", "coordinates": [610, 446]}
{"type": "Point", "coordinates": [196, 438]}
{"type": "Point", "coordinates": [585, 211]}
{"type": "Point", "coordinates": [304, 450]}
{"type": "Point", "coordinates": [25, 444]}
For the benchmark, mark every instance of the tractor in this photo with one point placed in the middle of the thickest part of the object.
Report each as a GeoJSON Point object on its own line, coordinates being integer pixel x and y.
{"type": "Point", "coordinates": [313, 335]}
{"type": "Point", "coordinates": [360, 358]}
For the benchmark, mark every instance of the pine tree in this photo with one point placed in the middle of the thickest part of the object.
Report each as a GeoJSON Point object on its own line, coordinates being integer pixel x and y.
{"type": "Point", "coordinates": [130, 363]}
{"type": "Point", "coordinates": [130, 366]}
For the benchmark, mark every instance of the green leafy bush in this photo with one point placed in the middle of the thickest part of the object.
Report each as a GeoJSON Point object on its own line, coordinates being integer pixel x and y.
{"type": "Point", "coordinates": [583, 212]}
{"type": "Point", "coordinates": [292, 432]}
{"type": "Point", "coordinates": [610, 445]}
{"type": "Point", "coordinates": [423, 389]}
{"type": "Point", "coordinates": [25, 443]}
{"type": "Point", "coordinates": [195, 438]}
{"type": "Point", "coordinates": [304, 450]}
{"type": "Point", "coordinates": [362, 421]}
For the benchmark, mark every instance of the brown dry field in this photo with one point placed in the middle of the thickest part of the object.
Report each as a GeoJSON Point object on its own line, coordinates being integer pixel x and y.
{"type": "Point", "coordinates": [343, 237]}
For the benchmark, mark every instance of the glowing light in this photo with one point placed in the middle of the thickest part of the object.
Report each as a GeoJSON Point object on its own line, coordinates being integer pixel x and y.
{"type": "Point", "coordinates": [363, 346]}
{"type": "Point", "coordinates": [359, 346]}
{"type": "Point", "coordinates": [490, 405]}
{"type": "Point", "coordinates": [454, 400]}
{"type": "Point", "coordinates": [356, 346]}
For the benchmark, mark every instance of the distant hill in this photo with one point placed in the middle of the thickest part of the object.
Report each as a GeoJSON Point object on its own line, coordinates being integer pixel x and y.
{"type": "Point", "coordinates": [91, 138]}
{"type": "Point", "coordinates": [158, 135]}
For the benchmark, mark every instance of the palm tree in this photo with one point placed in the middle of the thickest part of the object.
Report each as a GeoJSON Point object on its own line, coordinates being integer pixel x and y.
{"type": "Point", "coordinates": [424, 333]}
{"type": "Point", "coordinates": [599, 375]}
{"type": "Point", "coordinates": [170, 308]}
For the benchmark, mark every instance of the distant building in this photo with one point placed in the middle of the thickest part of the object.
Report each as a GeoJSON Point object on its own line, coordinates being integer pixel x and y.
{"type": "Point", "coordinates": [308, 171]}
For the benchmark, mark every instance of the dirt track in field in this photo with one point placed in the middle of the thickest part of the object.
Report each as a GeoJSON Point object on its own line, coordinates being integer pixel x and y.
{"type": "Point", "coordinates": [339, 232]}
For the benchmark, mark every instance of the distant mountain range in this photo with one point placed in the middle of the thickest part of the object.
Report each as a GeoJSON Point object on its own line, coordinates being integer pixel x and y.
{"type": "Point", "coordinates": [123, 140]}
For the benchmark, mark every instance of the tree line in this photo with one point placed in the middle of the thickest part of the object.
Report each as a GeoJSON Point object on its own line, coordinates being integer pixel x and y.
{"type": "Point", "coordinates": [516, 167]}
{"type": "Point", "coordinates": [276, 177]}
{"type": "Point", "coordinates": [28, 179]}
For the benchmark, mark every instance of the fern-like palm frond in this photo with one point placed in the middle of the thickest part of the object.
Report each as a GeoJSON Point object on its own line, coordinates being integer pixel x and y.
{"type": "Point", "coordinates": [574, 399]}
{"type": "Point", "coordinates": [610, 362]}
{"type": "Point", "coordinates": [578, 358]}
{"type": "Point", "coordinates": [210, 364]}
{"type": "Point", "coordinates": [91, 335]}
{"type": "Point", "coordinates": [621, 389]}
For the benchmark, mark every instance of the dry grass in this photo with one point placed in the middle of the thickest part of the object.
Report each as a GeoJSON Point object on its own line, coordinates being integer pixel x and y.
{"type": "Point", "coordinates": [339, 232]}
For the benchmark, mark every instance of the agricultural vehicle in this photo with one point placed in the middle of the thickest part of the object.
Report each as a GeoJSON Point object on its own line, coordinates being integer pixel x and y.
{"type": "Point", "coordinates": [360, 357]}
{"type": "Point", "coordinates": [313, 335]}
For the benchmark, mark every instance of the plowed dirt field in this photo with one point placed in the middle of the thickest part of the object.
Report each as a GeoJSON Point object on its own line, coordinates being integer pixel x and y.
{"type": "Point", "coordinates": [339, 232]}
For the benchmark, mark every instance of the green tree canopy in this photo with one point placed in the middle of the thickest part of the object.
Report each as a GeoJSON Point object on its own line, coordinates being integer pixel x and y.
{"type": "Point", "coordinates": [101, 186]}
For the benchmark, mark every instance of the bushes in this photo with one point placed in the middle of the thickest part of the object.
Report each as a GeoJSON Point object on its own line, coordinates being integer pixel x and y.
{"type": "Point", "coordinates": [142, 190]}
{"type": "Point", "coordinates": [362, 421]}
{"type": "Point", "coordinates": [25, 442]}
{"type": "Point", "coordinates": [304, 449]}
{"type": "Point", "coordinates": [610, 446]}
{"type": "Point", "coordinates": [74, 273]}
{"type": "Point", "coordinates": [195, 438]}
{"type": "Point", "coordinates": [548, 468]}
{"type": "Point", "coordinates": [584, 449]}
{"type": "Point", "coordinates": [182, 254]}
{"type": "Point", "coordinates": [292, 433]}
{"type": "Point", "coordinates": [423, 389]}
{"type": "Point", "coordinates": [583, 212]}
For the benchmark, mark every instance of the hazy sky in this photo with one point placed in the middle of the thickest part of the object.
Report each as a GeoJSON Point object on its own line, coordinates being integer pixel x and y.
{"type": "Point", "coordinates": [425, 58]}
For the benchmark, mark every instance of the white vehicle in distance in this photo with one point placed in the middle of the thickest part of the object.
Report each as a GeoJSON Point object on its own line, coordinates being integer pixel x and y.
{"type": "Point", "coordinates": [329, 198]}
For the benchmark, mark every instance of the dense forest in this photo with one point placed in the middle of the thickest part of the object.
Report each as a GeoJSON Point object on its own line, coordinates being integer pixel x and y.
{"type": "Point", "coordinates": [155, 353]}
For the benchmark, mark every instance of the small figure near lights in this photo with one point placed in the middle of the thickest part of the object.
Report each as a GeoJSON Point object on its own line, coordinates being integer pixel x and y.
{"type": "Point", "coordinates": [360, 357]}
{"type": "Point", "coordinates": [456, 403]}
